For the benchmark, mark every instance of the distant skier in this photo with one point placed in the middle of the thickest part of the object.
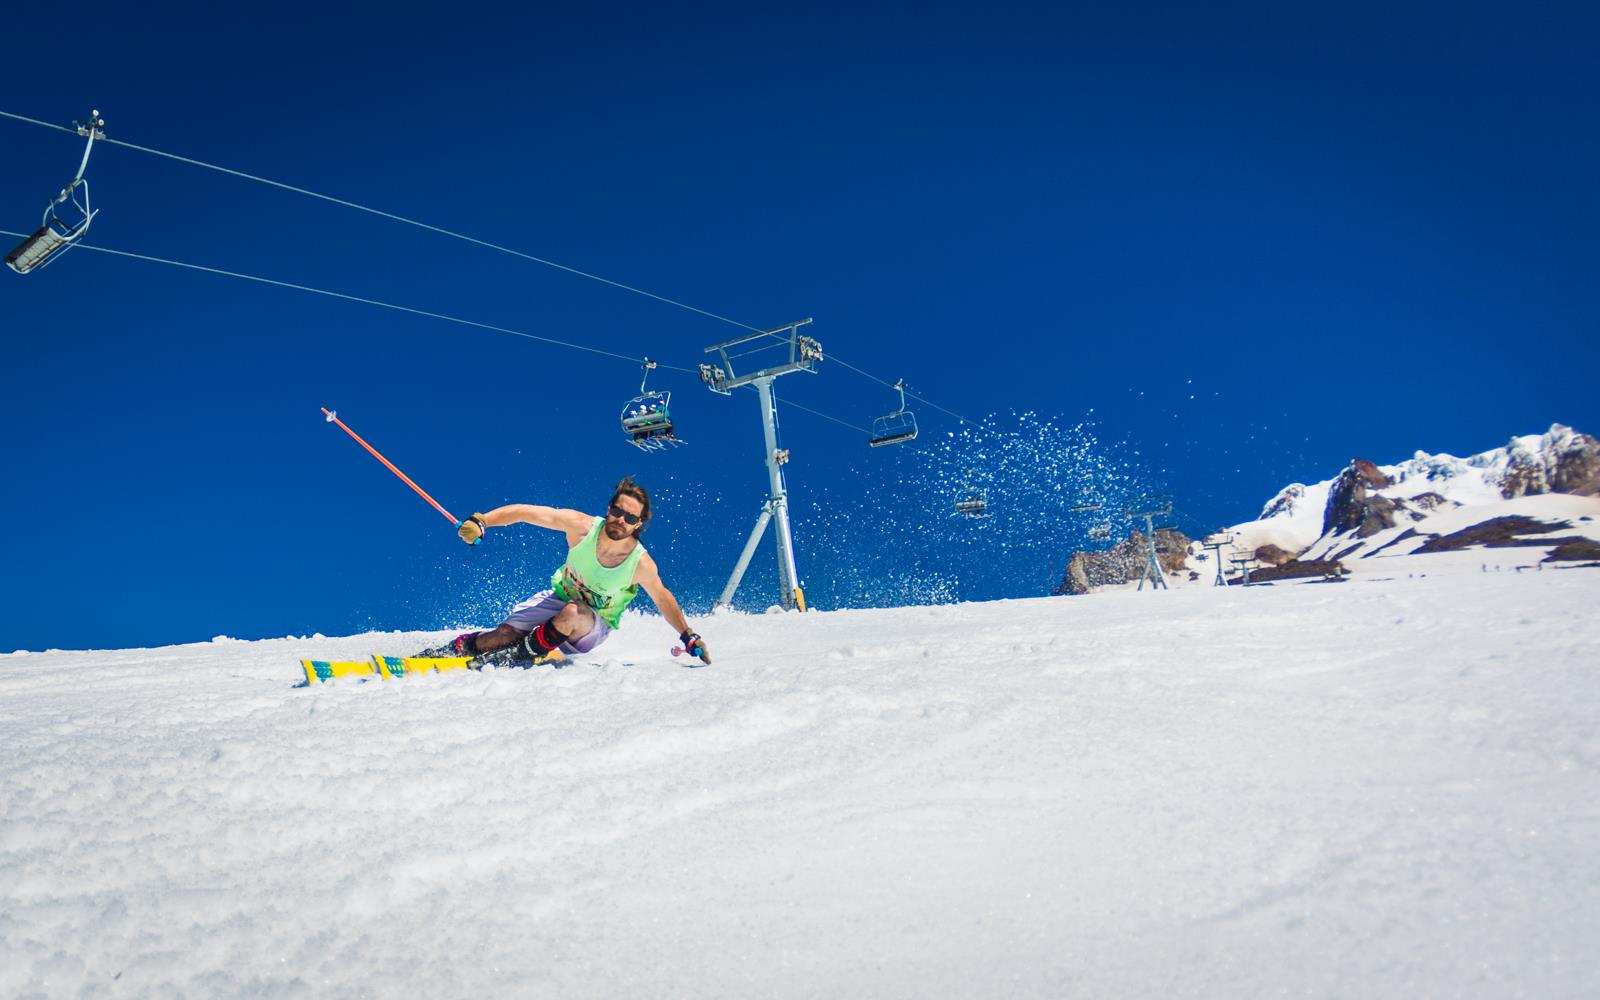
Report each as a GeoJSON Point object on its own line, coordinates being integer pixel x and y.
{"type": "Point", "coordinates": [606, 565]}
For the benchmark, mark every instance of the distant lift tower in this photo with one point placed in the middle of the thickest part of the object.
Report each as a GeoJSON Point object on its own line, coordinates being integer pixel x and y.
{"type": "Point", "coordinates": [1152, 565]}
{"type": "Point", "coordinates": [1216, 543]}
{"type": "Point", "coordinates": [804, 353]}
{"type": "Point", "coordinates": [1244, 566]}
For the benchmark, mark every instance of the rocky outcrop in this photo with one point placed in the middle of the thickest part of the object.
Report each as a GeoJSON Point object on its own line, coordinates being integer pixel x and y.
{"type": "Point", "coordinates": [1124, 562]}
{"type": "Point", "coordinates": [1525, 474]}
{"type": "Point", "coordinates": [1272, 555]}
{"type": "Point", "coordinates": [1089, 570]}
{"type": "Point", "coordinates": [1575, 548]}
{"type": "Point", "coordinates": [1502, 533]}
{"type": "Point", "coordinates": [1377, 514]}
{"type": "Point", "coordinates": [1296, 570]}
{"type": "Point", "coordinates": [1285, 502]}
{"type": "Point", "coordinates": [1370, 474]}
{"type": "Point", "coordinates": [1577, 468]}
{"type": "Point", "coordinates": [1564, 461]}
{"type": "Point", "coordinates": [1352, 507]}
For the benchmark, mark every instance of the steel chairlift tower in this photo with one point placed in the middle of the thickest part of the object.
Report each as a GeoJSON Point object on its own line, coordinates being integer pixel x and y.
{"type": "Point", "coordinates": [804, 353]}
{"type": "Point", "coordinates": [1216, 543]}
{"type": "Point", "coordinates": [1152, 566]}
{"type": "Point", "coordinates": [1244, 566]}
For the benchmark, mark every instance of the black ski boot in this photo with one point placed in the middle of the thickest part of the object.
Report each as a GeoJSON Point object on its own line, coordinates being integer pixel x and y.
{"type": "Point", "coordinates": [465, 644]}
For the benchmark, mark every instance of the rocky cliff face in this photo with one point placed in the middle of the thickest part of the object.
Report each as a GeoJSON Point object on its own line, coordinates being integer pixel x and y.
{"type": "Point", "coordinates": [1351, 505]}
{"type": "Point", "coordinates": [1560, 461]}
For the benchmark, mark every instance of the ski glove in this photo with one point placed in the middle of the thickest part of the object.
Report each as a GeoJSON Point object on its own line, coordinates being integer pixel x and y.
{"type": "Point", "coordinates": [472, 529]}
{"type": "Point", "coordinates": [695, 646]}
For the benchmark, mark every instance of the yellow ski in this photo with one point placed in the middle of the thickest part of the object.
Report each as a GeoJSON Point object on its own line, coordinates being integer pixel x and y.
{"type": "Point", "coordinates": [327, 670]}
{"type": "Point", "coordinates": [390, 667]}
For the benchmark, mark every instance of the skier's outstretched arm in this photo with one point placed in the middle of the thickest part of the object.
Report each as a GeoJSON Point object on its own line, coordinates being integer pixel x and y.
{"type": "Point", "coordinates": [555, 518]}
{"type": "Point", "coordinates": [649, 577]}
{"type": "Point", "coordinates": [569, 522]}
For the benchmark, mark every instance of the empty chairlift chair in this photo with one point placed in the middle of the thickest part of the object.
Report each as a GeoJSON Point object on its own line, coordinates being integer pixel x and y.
{"type": "Point", "coordinates": [973, 502]}
{"type": "Point", "coordinates": [896, 427]}
{"type": "Point", "coordinates": [647, 417]}
{"type": "Point", "coordinates": [66, 217]}
{"type": "Point", "coordinates": [974, 505]}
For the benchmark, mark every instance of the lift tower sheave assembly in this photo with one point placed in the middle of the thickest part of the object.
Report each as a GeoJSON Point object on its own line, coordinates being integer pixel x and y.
{"type": "Point", "coordinates": [804, 353]}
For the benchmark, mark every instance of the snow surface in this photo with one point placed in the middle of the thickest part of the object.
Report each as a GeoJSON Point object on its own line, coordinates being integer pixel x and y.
{"type": "Point", "coordinates": [1386, 787]}
{"type": "Point", "coordinates": [1384, 550]}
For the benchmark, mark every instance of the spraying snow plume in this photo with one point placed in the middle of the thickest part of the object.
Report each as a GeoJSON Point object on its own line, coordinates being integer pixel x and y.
{"type": "Point", "coordinates": [988, 511]}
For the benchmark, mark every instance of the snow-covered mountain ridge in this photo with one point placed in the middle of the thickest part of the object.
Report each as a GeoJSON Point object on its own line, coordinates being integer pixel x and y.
{"type": "Point", "coordinates": [1368, 507]}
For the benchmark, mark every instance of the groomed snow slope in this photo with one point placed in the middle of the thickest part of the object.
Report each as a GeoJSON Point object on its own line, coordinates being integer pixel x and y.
{"type": "Point", "coordinates": [1377, 788]}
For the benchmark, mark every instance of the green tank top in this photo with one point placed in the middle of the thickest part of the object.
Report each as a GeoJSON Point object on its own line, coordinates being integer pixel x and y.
{"type": "Point", "coordinates": [606, 589]}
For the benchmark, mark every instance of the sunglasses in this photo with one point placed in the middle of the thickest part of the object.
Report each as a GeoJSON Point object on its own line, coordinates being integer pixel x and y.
{"type": "Point", "coordinates": [630, 519]}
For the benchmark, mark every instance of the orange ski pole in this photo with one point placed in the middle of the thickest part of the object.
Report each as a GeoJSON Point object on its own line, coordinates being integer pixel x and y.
{"type": "Point", "coordinates": [333, 418]}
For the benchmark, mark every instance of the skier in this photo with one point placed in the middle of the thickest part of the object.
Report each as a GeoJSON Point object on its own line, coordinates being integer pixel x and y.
{"type": "Point", "coordinates": [606, 565]}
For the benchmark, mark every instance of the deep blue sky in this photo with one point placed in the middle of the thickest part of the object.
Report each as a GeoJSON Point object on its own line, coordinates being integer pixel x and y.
{"type": "Point", "coordinates": [1243, 243]}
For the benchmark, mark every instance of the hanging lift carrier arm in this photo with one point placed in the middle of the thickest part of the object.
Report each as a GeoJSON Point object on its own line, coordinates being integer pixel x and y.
{"type": "Point", "coordinates": [896, 427]}
{"type": "Point", "coordinates": [56, 234]}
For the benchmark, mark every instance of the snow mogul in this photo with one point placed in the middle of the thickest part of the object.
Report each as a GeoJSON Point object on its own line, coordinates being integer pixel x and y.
{"type": "Point", "coordinates": [606, 565]}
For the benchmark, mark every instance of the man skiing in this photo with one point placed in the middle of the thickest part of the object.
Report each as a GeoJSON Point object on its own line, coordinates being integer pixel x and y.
{"type": "Point", "coordinates": [606, 565]}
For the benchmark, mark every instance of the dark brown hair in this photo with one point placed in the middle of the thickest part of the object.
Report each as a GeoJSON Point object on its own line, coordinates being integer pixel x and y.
{"type": "Point", "coordinates": [629, 488]}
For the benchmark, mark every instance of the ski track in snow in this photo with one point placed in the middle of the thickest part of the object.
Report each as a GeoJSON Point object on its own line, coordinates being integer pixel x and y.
{"type": "Point", "coordinates": [1381, 788]}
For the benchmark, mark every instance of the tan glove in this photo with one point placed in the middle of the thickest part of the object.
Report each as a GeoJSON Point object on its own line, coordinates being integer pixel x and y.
{"type": "Point", "coordinates": [472, 529]}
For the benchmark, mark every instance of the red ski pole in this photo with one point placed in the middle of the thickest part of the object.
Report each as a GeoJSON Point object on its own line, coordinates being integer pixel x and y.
{"type": "Point", "coordinates": [333, 418]}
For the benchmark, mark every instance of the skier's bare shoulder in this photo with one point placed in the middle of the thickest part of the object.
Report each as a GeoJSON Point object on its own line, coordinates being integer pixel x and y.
{"type": "Point", "coordinates": [575, 524]}
{"type": "Point", "coordinates": [647, 575]}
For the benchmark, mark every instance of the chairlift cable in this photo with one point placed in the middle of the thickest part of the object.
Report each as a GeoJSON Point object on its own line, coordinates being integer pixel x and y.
{"type": "Point", "coordinates": [884, 382]}
{"type": "Point", "coordinates": [409, 309]}
{"type": "Point", "coordinates": [367, 301]}
{"type": "Point", "coordinates": [455, 235]}
{"type": "Point", "coordinates": [398, 218]}
{"type": "Point", "coordinates": [35, 121]}
{"type": "Point", "coordinates": [787, 401]}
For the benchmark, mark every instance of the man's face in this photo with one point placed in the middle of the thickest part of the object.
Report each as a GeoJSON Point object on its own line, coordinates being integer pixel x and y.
{"type": "Point", "coordinates": [622, 508]}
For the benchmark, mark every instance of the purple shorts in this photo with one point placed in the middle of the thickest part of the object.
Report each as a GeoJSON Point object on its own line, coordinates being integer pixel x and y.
{"type": "Point", "coordinates": [542, 607]}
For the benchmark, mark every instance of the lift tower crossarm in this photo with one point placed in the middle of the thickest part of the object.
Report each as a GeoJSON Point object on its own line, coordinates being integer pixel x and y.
{"type": "Point", "coordinates": [804, 353]}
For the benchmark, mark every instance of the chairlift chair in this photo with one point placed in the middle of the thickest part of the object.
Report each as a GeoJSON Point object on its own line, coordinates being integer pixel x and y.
{"type": "Point", "coordinates": [647, 417]}
{"type": "Point", "coordinates": [973, 502]}
{"type": "Point", "coordinates": [58, 233]}
{"type": "Point", "coordinates": [976, 505]}
{"type": "Point", "coordinates": [896, 427]}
